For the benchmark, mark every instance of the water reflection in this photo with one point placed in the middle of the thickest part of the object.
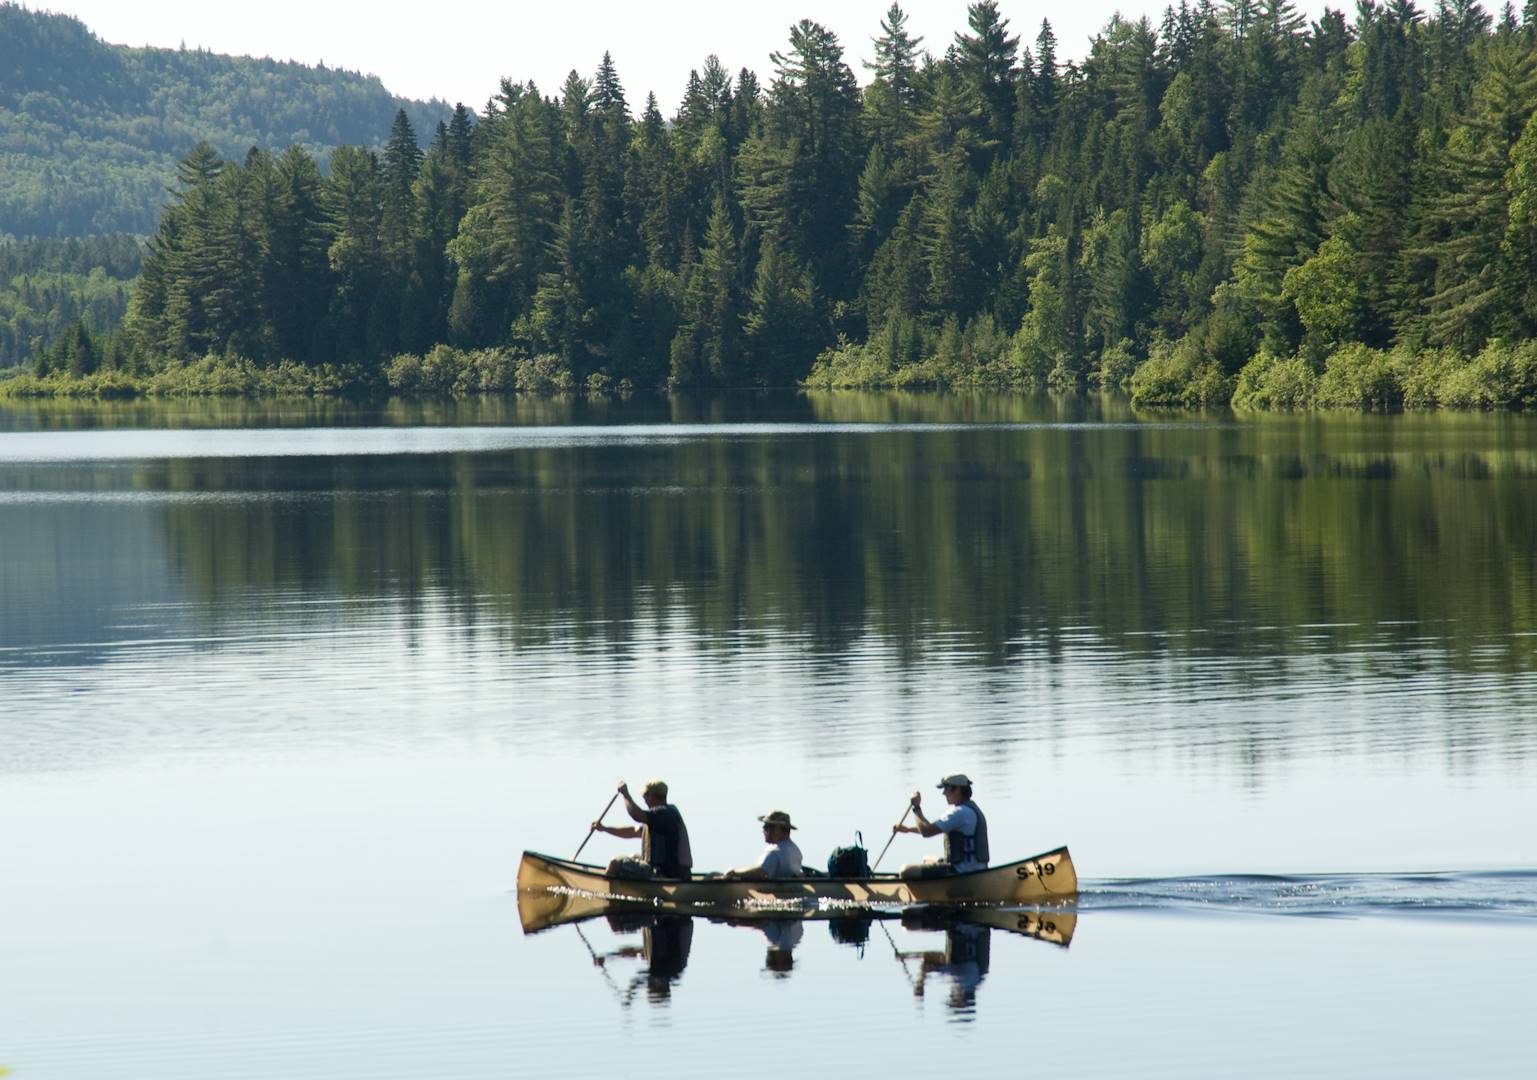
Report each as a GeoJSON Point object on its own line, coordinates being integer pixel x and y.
{"type": "Point", "coordinates": [742, 407]}
{"type": "Point", "coordinates": [650, 968]}
{"type": "Point", "coordinates": [663, 953]}
{"type": "Point", "coordinates": [962, 964]}
{"type": "Point", "coordinates": [1182, 569]}
{"type": "Point", "coordinates": [1215, 540]}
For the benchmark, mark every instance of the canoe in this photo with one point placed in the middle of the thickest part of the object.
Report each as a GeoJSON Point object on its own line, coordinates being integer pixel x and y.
{"type": "Point", "coordinates": [544, 909]}
{"type": "Point", "coordinates": [1043, 878]}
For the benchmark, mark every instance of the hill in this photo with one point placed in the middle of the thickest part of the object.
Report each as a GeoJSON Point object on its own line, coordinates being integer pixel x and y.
{"type": "Point", "coordinates": [90, 132]}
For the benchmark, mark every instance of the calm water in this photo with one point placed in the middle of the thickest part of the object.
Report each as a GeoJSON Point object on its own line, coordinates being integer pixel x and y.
{"type": "Point", "coordinates": [286, 689]}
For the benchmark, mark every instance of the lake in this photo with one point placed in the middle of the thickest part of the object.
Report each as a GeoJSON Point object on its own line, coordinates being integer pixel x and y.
{"type": "Point", "coordinates": [287, 688]}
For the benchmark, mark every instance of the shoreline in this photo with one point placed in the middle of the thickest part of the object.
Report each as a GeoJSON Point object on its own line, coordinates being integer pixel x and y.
{"type": "Point", "coordinates": [1352, 379]}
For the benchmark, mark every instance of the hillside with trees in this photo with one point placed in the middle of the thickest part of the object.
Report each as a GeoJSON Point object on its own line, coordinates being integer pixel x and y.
{"type": "Point", "coordinates": [48, 288]}
{"type": "Point", "coordinates": [1231, 202]}
{"type": "Point", "coordinates": [90, 133]}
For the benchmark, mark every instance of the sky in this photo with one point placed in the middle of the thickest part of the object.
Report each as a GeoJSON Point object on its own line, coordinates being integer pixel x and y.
{"type": "Point", "coordinates": [461, 50]}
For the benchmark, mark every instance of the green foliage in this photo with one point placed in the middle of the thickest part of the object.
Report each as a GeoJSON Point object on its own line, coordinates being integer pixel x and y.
{"type": "Point", "coordinates": [1359, 377]}
{"type": "Point", "coordinates": [447, 370]}
{"type": "Point", "coordinates": [1328, 294]}
{"type": "Point", "coordinates": [1270, 382]}
{"type": "Point", "coordinates": [1319, 215]}
{"type": "Point", "coordinates": [1117, 364]}
{"type": "Point", "coordinates": [48, 286]}
{"type": "Point", "coordinates": [208, 376]}
{"type": "Point", "coordinates": [90, 133]}
{"type": "Point", "coordinates": [1181, 376]}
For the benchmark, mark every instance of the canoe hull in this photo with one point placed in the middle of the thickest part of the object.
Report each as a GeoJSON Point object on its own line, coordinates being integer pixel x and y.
{"type": "Point", "coordinates": [1041, 879]}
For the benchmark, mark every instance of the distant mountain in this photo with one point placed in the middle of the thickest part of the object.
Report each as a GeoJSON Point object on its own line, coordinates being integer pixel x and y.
{"type": "Point", "coordinates": [90, 133]}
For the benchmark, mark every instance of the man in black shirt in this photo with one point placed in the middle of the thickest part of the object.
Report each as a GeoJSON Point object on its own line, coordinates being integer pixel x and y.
{"type": "Point", "coordinates": [664, 847]}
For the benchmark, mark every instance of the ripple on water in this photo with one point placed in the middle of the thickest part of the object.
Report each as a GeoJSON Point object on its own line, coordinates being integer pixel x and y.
{"type": "Point", "coordinates": [1490, 893]}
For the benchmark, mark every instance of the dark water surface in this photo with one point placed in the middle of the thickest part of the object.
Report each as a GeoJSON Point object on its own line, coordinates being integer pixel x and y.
{"type": "Point", "coordinates": [286, 688]}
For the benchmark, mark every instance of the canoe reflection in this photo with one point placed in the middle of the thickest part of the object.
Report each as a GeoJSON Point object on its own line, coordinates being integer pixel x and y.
{"type": "Point", "coordinates": [666, 939]}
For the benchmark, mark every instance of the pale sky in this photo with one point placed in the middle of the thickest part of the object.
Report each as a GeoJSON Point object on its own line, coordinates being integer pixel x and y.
{"type": "Point", "coordinates": [459, 51]}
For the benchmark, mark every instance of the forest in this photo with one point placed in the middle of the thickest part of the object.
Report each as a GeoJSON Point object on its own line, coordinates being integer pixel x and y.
{"type": "Point", "coordinates": [51, 288]}
{"type": "Point", "coordinates": [90, 133]}
{"type": "Point", "coordinates": [1232, 204]}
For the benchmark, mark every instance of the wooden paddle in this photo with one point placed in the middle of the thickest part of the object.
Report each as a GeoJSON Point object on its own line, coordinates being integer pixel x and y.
{"type": "Point", "coordinates": [901, 959]}
{"type": "Point", "coordinates": [599, 963]}
{"type": "Point", "coordinates": [893, 836]}
{"type": "Point", "coordinates": [594, 829]}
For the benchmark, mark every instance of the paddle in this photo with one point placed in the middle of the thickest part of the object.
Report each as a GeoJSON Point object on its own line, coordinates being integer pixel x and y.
{"type": "Point", "coordinates": [893, 836]}
{"type": "Point", "coordinates": [594, 828]}
{"type": "Point", "coordinates": [599, 964]}
{"type": "Point", "coordinates": [900, 959]}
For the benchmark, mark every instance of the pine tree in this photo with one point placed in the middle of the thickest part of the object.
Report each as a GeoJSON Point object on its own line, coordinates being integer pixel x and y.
{"type": "Point", "coordinates": [1519, 246]}
{"type": "Point", "coordinates": [813, 117]}
{"type": "Point", "coordinates": [1044, 90]}
{"type": "Point", "coordinates": [949, 248]}
{"type": "Point", "coordinates": [707, 348]}
{"type": "Point", "coordinates": [168, 310]}
{"type": "Point", "coordinates": [780, 334]}
{"type": "Point", "coordinates": [892, 94]}
{"type": "Point", "coordinates": [1474, 281]}
{"type": "Point", "coordinates": [650, 191]}
{"type": "Point", "coordinates": [502, 243]}
{"type": "Point", "coordinates": [897, 285]}
{"type": "Point", "coordinates": [360, 313]}
{"type": "Point", "coordinates": [986, 59]}
{"type": "Point", "coordinates": [1294, 221]}
{"type": "Point", "coordinates": [295, 271]}
{"type": "Point", "coordinates": [561, 317]}
{"type": "Point", "coordinates": [400, 165]}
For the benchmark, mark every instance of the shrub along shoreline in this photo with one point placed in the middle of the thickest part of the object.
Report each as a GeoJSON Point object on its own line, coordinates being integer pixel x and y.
{"type": "Point", "coordinates": [1181, 376]}
{"type": "Point", "coordinates": [442, 371]}
{"type": "Point", "coordinates": [1175, 376]}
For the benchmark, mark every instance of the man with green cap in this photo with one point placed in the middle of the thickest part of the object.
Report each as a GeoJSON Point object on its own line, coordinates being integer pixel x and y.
{"type": "Point", "coordinates": [963, 826]}
{"type": "Point", "coordinates": [781, 858]}
{"type": "Point", "coordinates": [664, 846]}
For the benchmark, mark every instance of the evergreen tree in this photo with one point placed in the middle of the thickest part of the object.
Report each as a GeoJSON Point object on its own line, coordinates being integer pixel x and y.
{"type": "Point", "coordinates": [780, 334]}
{"type": "Point", "coordinates": [561, 318]}
{"type": "Point", "coordinates": [168, 313]}
{"type": "Point", "coordinates": [707, 349]}
{"type": "Point", "coordinates": [400, 165]}
{"type": "Point", "coordinates": [949, 248]}
{"type": "Point", "coordinates": [1288, 231]}
{"type": "Point", "coordinates": [360, 311]}
{"type": "Point", "coordinates": [1044, 90]}
{"type": "Point", "coordinates": [1234, 177]}
{"type": "Point", "coordinates": [986, 58]}
{"type": "Point", "coordinates": [502, 243]}
{"type": "Point", "coordinates": [1474, 281]}
{"type": "Point", "coordinates": [892, 94]}
{"type": "Point", "coordinates": [813, 119]}
{"type": "Point", "coordinates": [296, 271]}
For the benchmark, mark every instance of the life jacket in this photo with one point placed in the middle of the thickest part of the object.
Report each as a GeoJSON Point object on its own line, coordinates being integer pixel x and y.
{"type": "Point", "coordinates": [960, 848]}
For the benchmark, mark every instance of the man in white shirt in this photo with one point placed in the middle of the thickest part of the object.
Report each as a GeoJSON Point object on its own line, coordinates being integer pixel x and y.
{"type": "Point", "coordinates": [780, 858]}
{"type": "Point", "coordinates": [963, 827]}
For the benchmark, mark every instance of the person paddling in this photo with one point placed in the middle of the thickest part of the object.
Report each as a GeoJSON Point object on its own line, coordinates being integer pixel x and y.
{"type": "Point", "coordinates": [781, 858]}
{"type": "Point", "coordinates": [664, 846]}
{"type": "Point", "coordinates": [963, 826]}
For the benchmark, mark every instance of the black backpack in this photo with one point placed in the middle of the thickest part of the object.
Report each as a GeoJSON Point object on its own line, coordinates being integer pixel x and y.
{"type": "Point", "coordinates": [851, 930]}
{"type": "Point", "coordinates": [851, 861]}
